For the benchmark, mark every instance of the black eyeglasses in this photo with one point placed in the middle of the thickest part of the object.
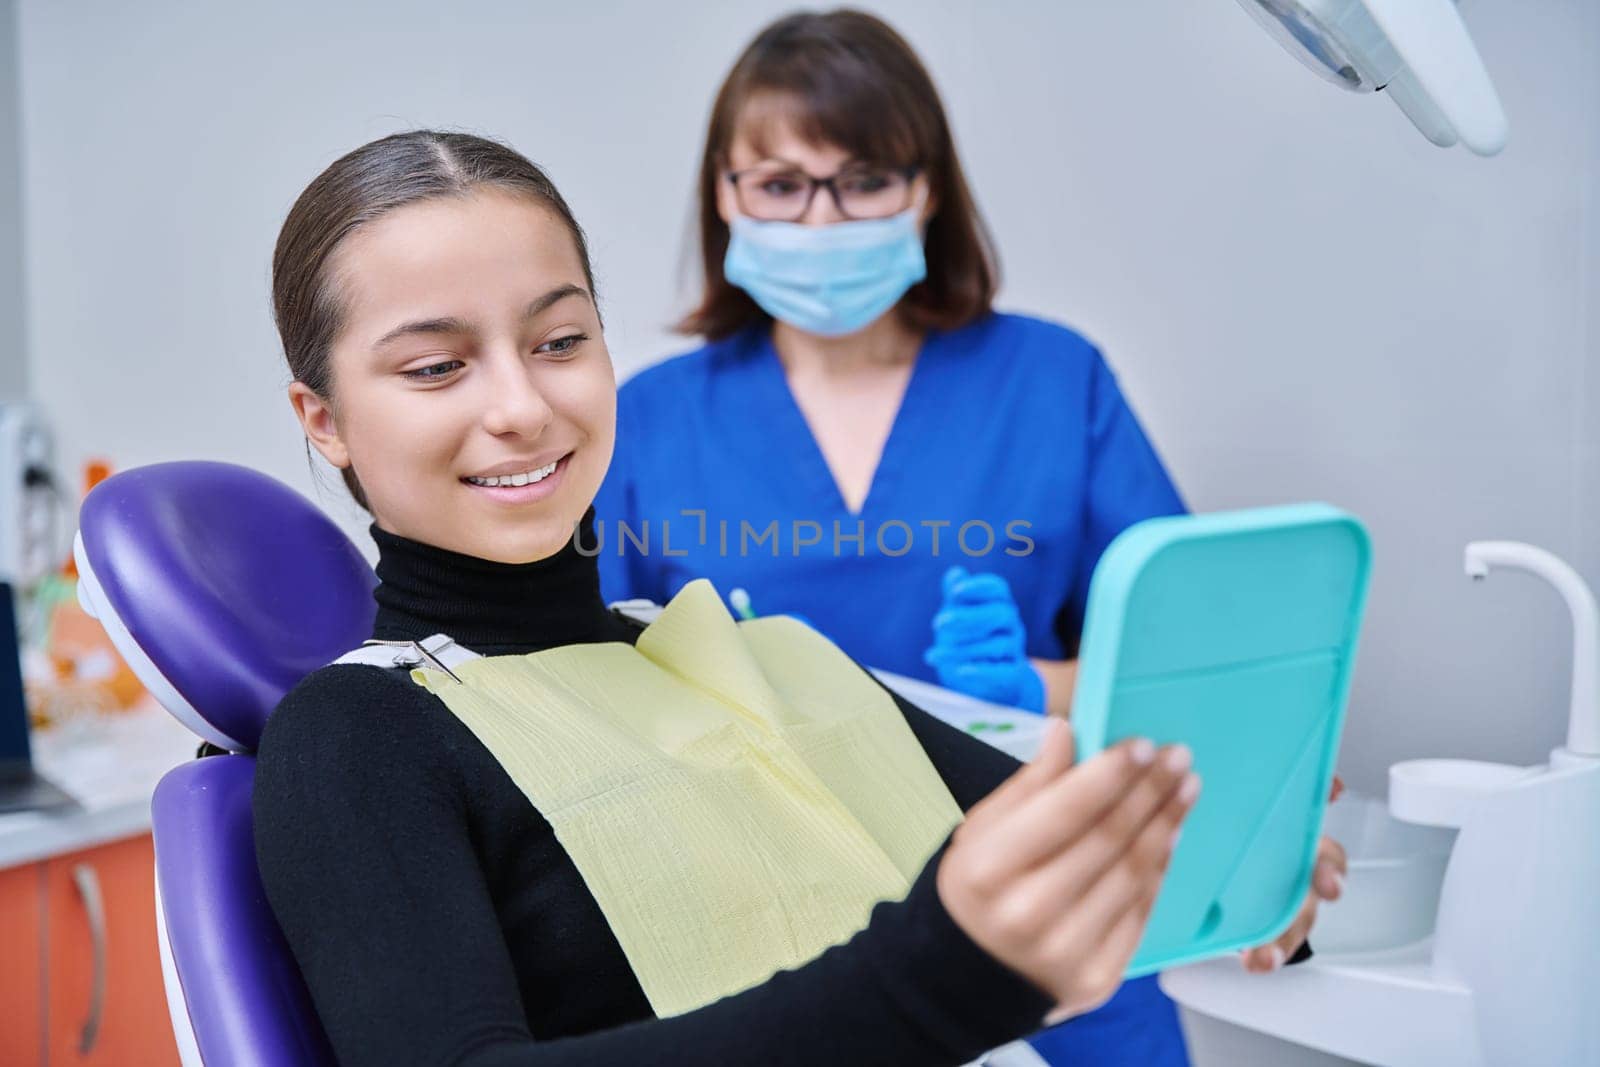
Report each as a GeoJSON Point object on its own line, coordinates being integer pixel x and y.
{"type": "Point", "coordinates": [782, 192]}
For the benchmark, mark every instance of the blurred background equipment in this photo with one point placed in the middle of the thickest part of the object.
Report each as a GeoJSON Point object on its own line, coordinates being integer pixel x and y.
{"type": "Point", "coordinates": [30, 542]}
{"type": "Point", "coordinates": [1418, 51]}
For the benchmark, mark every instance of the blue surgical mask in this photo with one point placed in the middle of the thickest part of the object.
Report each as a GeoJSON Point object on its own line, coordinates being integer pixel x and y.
{"type": "Point", "coordinates": [830, 280]}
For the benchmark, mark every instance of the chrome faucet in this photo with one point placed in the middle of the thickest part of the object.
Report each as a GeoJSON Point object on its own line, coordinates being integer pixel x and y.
{"type": "Point", "coordinates": [1583, 729]}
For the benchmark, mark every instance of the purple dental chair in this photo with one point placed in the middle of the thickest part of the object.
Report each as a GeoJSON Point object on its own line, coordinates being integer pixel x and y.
{"type": "Point", "coordinates": [221, 588]}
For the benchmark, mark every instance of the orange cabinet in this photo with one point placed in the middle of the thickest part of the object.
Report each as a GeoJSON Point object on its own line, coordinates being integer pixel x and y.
{"type": "Point", "coordinates": [105, 1003]}
{"type": "Point", "coordinates": [101, 999]}
{"type": "Point", "coordinates": [22, 964]}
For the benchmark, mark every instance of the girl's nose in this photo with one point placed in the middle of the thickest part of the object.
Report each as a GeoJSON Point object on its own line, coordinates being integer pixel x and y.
{"type": "Point", "coordinates": [516, 405]}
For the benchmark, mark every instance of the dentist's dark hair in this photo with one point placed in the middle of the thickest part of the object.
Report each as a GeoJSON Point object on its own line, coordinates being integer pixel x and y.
{"type": "Point", "coordinates": [845, 78]}
{"type": "Point", "coordinates": [359, 188]}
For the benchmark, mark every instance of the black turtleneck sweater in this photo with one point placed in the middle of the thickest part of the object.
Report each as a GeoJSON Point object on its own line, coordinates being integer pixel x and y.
{"type": "Point", "coordinates": [437, 920]}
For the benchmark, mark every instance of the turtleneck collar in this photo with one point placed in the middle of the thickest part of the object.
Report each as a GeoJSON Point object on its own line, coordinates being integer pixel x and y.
{"type": "Point", "coordinates": [493, 608]}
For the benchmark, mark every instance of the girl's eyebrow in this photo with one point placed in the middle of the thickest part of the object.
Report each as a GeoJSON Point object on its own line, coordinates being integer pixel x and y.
{"type": "Point", "coordinates": [559, 293]}
{"type": "Point", "coordinates": [425, 326]}
{"type": "Point", "coordinates": [450, 325]}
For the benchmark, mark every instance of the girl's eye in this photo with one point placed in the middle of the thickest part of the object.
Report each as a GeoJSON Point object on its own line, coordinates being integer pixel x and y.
{"type": "Point", "coordinates": [435, 371]}
{"type": "Point", "coordinates": [563, 346]}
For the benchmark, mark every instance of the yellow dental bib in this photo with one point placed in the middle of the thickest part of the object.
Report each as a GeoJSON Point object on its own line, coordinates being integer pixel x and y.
{"type": "Point", "coordinates": [737, 797]}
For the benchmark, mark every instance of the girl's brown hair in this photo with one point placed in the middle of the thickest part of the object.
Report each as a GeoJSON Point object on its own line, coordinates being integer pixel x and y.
{"type": "Point", "coordinates": [845, 78]}
{"type": "Point", "coordinates": [358, 189]}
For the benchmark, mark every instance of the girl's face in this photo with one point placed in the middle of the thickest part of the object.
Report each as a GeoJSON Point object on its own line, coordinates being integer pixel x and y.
{"type": "Point", "coordinates": [472, 391]}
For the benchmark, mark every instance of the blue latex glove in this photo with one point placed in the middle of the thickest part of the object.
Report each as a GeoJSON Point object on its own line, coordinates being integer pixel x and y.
{"type": "Point", "coordinates": [979, 642]}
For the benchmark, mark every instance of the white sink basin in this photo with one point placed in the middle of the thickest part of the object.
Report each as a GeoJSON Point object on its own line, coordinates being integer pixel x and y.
{"type": "Point", "coordinates": [1391, 893]}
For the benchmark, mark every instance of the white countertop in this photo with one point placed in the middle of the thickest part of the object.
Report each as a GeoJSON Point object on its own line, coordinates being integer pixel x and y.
{"type": "Point", "coordinates": [1387, 1008]}
{"type": "Point", "coordinates": [111, 767]}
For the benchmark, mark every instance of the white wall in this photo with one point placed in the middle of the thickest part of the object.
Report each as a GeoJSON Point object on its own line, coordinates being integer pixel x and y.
{"type": "Point", "coordinates": [13, 360]}
{"type": "Point", "coordinates": [1303, 298]}
{"type": "Point", "coordinates": [1588, 384]}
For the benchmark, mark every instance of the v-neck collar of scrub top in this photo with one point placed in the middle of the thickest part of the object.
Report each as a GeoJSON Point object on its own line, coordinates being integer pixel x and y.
{"type": "Point", "coordinates": [776, 401]}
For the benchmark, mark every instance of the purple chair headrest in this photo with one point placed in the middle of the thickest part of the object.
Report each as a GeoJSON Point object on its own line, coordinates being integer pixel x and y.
{"type": "Point", "coordinates": [232, 586]}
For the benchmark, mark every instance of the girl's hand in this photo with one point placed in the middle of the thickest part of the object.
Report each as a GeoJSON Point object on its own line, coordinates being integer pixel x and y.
{"type": "Point", "coordinates": [1327, 883]}
{"type": "Point", "coordinates": [1055, 872]}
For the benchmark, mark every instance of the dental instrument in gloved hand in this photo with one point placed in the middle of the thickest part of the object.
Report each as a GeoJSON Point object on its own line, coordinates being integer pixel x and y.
{"type": "Point", "coordinates": [979, 642]}
{"type": "Point", "coordinates": [739, 601]}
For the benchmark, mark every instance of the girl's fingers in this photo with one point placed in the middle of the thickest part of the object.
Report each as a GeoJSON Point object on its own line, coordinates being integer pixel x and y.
{"type": "Point", "coordinates": [1129, 884]}
{"type": "Point", "coordinates": [1070, 805]}
{"type": "Point", "coordinates": [1047, 805]}
{"type": "Point", "coordinates": [1264, 959]}
{"type": "Point", "coordinates": [1055, 756]}
{"type": "Point", "coordinates": [1072, 871]}
{"type": "Point", "coordinates": [1124, 938]}
{"type": "Point", "coordinates": [1111, 960]}
{"type": "Point", "coordinates": [1327, 883]}
{"type": "Point", "coordinates": [1332, 864]}
{"type": "Point", "coordinates": [1291, 939]}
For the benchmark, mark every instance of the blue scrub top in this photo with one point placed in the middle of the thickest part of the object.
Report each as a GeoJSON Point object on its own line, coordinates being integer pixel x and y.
{"type": "Point", "coordinates": [1013, 452]}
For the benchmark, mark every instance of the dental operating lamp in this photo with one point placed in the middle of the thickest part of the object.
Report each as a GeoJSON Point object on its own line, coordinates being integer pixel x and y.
{"type": "Point", "coordinates": [1417, 52]}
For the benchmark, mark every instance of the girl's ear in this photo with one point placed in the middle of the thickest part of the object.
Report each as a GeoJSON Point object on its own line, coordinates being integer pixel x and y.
{"type": "Point", "coordinates": [316, 418]}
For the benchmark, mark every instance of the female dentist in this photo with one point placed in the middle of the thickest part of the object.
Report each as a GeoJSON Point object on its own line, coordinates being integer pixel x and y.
{"type": "Point", "coordinates": [863, 441]}
{"type": "Point", "coordinates": [861, 420]}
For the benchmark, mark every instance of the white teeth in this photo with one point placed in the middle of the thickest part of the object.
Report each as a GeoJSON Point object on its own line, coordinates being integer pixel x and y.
{"type": "Point", "coordinates": [522, 478]}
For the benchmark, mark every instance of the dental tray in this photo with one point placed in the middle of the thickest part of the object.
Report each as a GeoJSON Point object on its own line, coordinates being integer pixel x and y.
{"type": "Point", "coordinates": [1234, 634]}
